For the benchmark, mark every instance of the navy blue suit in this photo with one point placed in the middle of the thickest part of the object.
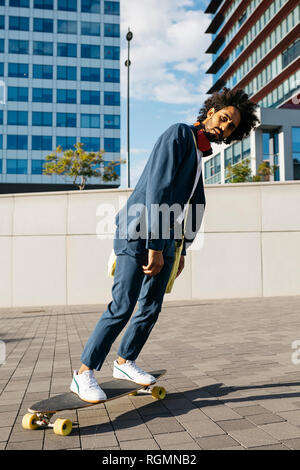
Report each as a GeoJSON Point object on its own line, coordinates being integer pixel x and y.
{"type": "Point", "coordinates": [168, 178]}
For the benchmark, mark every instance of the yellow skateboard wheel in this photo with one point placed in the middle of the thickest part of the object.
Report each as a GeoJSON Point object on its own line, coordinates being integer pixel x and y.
{"type": "Point", "coordinates": [133, 394]}
{"type": "Point", "coordinates": [159, 393]}
{"type": "Point", "coordinates": [29, 421]}
{"type": "Point", "coordinates": [62, 427]}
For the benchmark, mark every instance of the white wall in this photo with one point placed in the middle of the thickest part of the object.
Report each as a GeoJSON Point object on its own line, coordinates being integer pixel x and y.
{"type": "Point", "coordinates": [50, 253]}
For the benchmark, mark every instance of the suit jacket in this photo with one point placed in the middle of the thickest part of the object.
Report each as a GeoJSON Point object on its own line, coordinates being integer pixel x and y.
{"type": "Point", "coordinates": [167, 178]}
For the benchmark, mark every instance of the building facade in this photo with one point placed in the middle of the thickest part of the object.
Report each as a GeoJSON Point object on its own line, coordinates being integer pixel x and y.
{"type": "Point", "coordinates": [60, 84]}
{"type": "Point", "coordinates": [256, 46]}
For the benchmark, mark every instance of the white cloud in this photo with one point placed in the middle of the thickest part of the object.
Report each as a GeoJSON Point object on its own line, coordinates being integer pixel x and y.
{"type": "Point", "coordinates": [167, 50]}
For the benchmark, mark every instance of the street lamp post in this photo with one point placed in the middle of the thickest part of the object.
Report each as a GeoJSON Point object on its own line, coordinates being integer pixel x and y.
{"type": "Point", "coordinates": [129, 36]}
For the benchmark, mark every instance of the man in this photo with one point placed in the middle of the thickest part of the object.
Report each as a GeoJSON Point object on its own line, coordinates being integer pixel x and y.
{"type": "Point", "coordinates": [145, 256]}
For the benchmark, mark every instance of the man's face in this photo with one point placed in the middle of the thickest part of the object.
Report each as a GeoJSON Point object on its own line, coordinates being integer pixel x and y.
{"type": "Point", "coordinates": [221, 124]}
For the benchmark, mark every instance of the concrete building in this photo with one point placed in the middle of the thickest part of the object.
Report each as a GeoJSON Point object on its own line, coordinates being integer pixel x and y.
{"type": "Point", "coordinates": [60, 84]}
{"type": "Point", "coordinates": [256, 46]}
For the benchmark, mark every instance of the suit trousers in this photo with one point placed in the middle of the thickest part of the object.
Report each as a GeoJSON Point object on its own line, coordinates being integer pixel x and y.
{"type": "Point", "coordinates": [130, 286]}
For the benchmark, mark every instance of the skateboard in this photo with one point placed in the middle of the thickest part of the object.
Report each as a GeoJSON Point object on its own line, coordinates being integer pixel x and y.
{"type": "Point", "coordinates": [39, 414]}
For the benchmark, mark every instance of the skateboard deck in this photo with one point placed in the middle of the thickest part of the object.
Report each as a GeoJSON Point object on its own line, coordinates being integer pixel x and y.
{"type": "Point", "coordinates": [40, 413]}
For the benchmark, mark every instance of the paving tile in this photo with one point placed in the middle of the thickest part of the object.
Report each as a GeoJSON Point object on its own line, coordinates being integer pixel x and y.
{"type": "Point", "coordinates": [281, 430]}
{"type": "Point", "coordinates": [216, 442]}
{"type": "Point", "coordinates": [140, 431]}
{"type": "Point", "coordinates": [235, 424]}
{"type": "Point", "coordinates": [141, 444]}
{"type": "Point", "coordinates": [163, 425]}
{"type": "Point", "coordinates": [266, 418]}
{"type": "Point", "coordinates": [292, 417]}
{"type": "Point", "coordinates": [203, 429]}
{"type": "Point", "coordinates": [220, 413]}
{"type": "Point", "coordinates": [99, 441]}
{"type": "Point", "coordinates": [250, 410]}
{"type": "Point", "coordinates": [174, 438]}
{"type": "Point", "coordinates": [252, 437]}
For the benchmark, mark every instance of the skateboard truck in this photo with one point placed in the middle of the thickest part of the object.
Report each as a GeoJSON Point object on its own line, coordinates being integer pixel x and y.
{"type": "Point", "coordinates": [62, 427]}
{"type": "Point", "coordinates": [158, 393]}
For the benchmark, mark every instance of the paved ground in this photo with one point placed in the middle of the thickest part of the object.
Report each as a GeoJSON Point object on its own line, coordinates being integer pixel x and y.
{"type": "Point", "coordinates": [231, 380]}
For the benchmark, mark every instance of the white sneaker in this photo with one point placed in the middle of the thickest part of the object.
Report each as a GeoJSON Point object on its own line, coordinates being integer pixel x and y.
{"type": "Point", "coordinates": [86, 387]}
{"type": "Point", "coordinates": [130, 371]}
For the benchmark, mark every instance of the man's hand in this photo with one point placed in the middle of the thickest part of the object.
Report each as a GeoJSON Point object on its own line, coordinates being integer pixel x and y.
{"type": "Point", "coordinates": [180, 266]}
{"type": "Point", "coordinates": [155, 263]}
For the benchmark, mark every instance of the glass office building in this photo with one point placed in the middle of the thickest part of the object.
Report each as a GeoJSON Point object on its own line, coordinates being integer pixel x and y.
{"type": "Point", "coordinates": [256, 46]}
{"type": "Point", "coordinates": [59, 84]}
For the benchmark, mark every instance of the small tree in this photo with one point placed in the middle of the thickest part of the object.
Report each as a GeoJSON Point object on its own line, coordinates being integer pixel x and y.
{"type": "Point", "coordinates": [265, 170]}
{"type": "Point", "coordinates": [78, 164]}
{"type": "Point", "coordinates": [240, 172]}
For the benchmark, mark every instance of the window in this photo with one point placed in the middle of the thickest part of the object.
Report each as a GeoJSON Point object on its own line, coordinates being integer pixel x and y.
{"type": "Point", "coordinates": [66, 96]}
{"type": "Point", "coordinates": [17, 118]}
{"type": "Point", "coordinates": [89, 28]}
{"type": "Point", "coordinates": [90, 97]}
{"type": "Point", "coordinates": [40, 118]}
{"type": "Point", "coordinates": [41, 142]}
{"type": "Point", "coordinates": [43, 71]}
{"type": "Point", "coordinates": [291, 53]}
{"type": "Point", "coordinates": [1, 69]}
{"type": "Point", "coordinates": [90, 121]}
{"type": "Point", "coordinates": [236, 148]}
{"type": "Point", "coordinates": [1, 165]}
{"type": "Point", "coordinates": [90, 74]}
{"type": "Point", "coordinates": [42, 48]}
{"type": "Point", "coordinates": [90, 6]}
{"type": "Point", "coordinates": [246, 147]}
{"type": "Point", "coordinates": [112, 75]}
{"type": "Point", "coordinates": [111, 98]}
{"type": "Point", "coordinates": [90, 144]}
{"type": "Point", "coordinates": [19, 23]}
{"type": "Point", "coordinates": [64, 49]}
{"type": "Point", "coordinates": [37, 167]}
{"type": "Point", "coordinates": [19, 3]}
{"type": "Point", "coordinates": [42, 95]}
{"type": "Point", "coordinates": [18, 70]}
{"type": "Point", "coordinates": [15, 166]}
{"type": "Point", "coordinates": [111, 145]}
{"type": "Point", "coordinates": [2, 22]}
{"type": "Point", "coordinates": [1, 141]}
{"type": "Point", "coordinates": [112, 30]}
{"type": "Point", "coordinates": [16, 142]}
{"type": "Point", "coordinates": [1, 45]}
{"type": "Point", "coordinates": [67, 27]}
{"type": "Point", "coordinates": [1, 117]}
{"type": "Point", "coordinates": [111, 8]}
{"type": "Point", "coordinates": [228, 156]}
{"type": "Point", "coordinates": [66, 72]}
{"type": "Point", "coordinates": [111, 121]}
{"type": "Point", "coordinates": [15, 93]}
{"type": "Point", "coordinates": [43, 4]}
{"type": "Point", "coordinates": [16, 46]}
{"type": "Point", "coordinates": [67, 5]}
{"type": "Point", "coordinates": [66, 119]}
{"type": "Point", "coordinates": [111, 52]}
{"type": "Point", "coordinates": [43, 25]}
{"type": "Point", "coordinates": [90, 51]}
{"type": "Point", "coordinates": [65, 143]}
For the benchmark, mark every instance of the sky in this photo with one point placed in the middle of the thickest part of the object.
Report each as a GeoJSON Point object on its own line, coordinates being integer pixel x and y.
{"type": "Point", "coordinates": [168, 83]}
